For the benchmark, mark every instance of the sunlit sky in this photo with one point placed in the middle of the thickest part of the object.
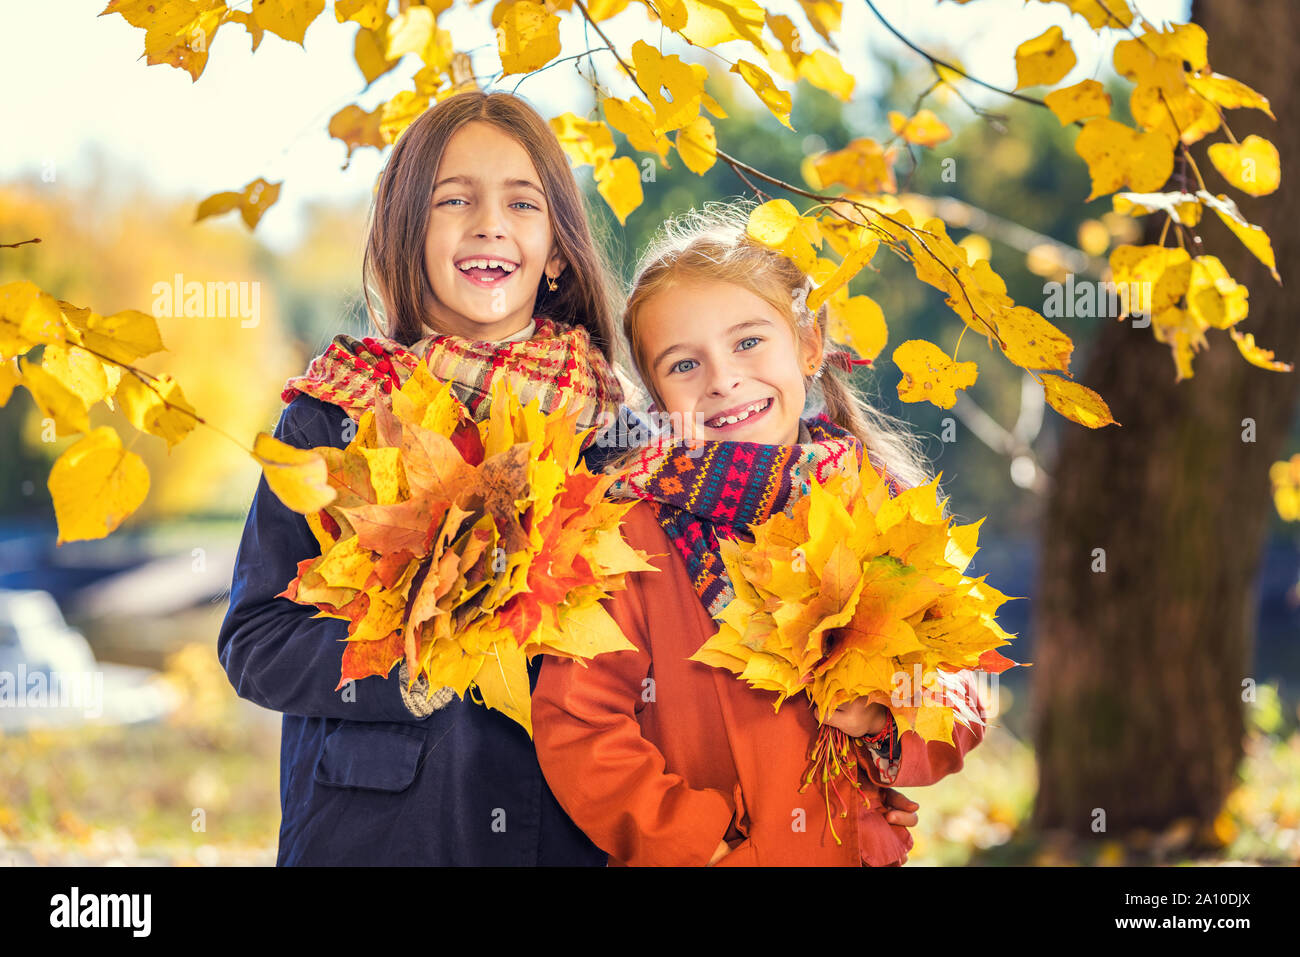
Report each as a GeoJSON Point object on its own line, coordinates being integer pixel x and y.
{"type": "Point", "coordinates": [77, 91]}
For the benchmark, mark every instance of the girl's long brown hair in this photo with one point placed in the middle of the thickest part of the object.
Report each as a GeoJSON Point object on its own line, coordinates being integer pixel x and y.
{"type": "Point", "coordinates": [712, 245]}
{"type": "Point", "coordinates": [393, 264]}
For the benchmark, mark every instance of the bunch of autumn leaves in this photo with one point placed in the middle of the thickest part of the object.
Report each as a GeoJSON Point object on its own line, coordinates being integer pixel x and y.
{"type": "Point", "coordinates": [852, 588]}
{"type": "Point", "coordinates": [466, 548]}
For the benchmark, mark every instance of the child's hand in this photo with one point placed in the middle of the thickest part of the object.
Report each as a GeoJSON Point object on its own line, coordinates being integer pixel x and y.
{"type": "Point", "coordinates": [899, 810]}
{"type": "Point", "coordinates": [857, 718]}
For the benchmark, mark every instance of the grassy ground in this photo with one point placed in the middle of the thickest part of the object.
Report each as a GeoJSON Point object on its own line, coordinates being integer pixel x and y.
{"type": "Point", "coordinates": [203, 789]}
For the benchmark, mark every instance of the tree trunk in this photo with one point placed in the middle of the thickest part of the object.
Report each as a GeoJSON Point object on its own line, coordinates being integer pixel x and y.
{"type": "Point", "coordinates": [1138, 681]}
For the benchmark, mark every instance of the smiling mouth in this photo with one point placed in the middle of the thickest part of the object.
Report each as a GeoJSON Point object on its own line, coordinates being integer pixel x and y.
{"type": "Point", "coordinates": [751, 411]}
{"type": "Point", "coordinates": [486, 271]}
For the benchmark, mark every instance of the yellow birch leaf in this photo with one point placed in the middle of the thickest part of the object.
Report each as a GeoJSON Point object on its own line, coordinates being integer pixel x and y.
{"type": "Point", "coordinates": [863, 166]}
{"type": "Point", "coordinates": [672, 13]}
{"type": "Point", "coordinates": [1228, 93]}
{"type": "Point", "coordinates": [1213, 296]}
{"type": "Point", "coordinates": [619, 182]}
{"type": "Point", "coordinates": [929, 375]}
{"type": "Point", "coordinates": [122, 337]}
{"type": "Point", "coordinates": [1100, 13]}
{"type": "Point", "coordinates": [1085, 99]}
{"type": "Point", "coordinates": [368, 51]}
{"type": "Point", "coordinates": [1117, 154]}
{"type": "Point", "coordinates": [168, 415]}
{"type": "Point", "coordinates": [1255, 355]}
{"type": "Point", "coordinates": [1032, 342]}
{"type": "Point", "coordinates": [787, 34]}
{"type": "Point", "coordinates": [178, 34]}
{"type": "Point", "coordinates": [1253, 165]}
{"type": "Point", "coordinates": [78, 370]}
{"type": "Point", "coordinates": [585, 142]}
{"type": "Point", "coordinates": [369, 13]}
{"type": "Point", "coordinates": [1076, 402]}
{"type": "Point", "coordinates": [400, 112]}
{"type": "Point", "coordinates": [55, 400]}
{"type": "Point", "coordinates": [604, 9]}
{"type": "Point", "coordinates": [409, 32]}
{"type": "Point", "coordinates": [254, 200]}
{"type": "Point", "coordinates": [1184, 42]}
{"type": "Point", "coordinates": [528, 38]}
{"type": "Point", "coordinates": [287, 18]}
{"type": "Point", "coordinates": [849, 268]}
{"type": "Point", "coordinates": [774, 98]}
{"type": "Point", "coordinates": [635, 119]}
{"type": "Point", "coordinates": [859, 324]}
{"type": "Point", "coordinates": [711, 22]}
{"type": "Point", "coordinates": [697, 143]}
{"type": "Point", "coordinates": [825, 16]}
{"type": "Point", "coordinates": [772, 222]}
{"type": "Point", "coordinates": [1252, 237]}
{"type": "Point", "coordinates": [9, 378]}
{"type": "Point", "coordinates": [95, 484]}
{"type": "Point", "coordinates": [656, 73]}
{"type": "Point", "coordinates": [923, 129]}
{"type": "Point", "coordinates": [824, 71]}
{"type": "Point", "coordinates": [28, 318]}
{"type": "Point", "coordinates": [356, 128]}
{"type": "Point", "coordinates": [298, 477]}
{"type": "Point", "coordinates": [1044, 60]}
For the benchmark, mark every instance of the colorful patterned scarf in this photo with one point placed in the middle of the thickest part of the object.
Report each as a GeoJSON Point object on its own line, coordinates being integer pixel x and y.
{"type": "Point", "coordinates": [721, 488]}
{"type": "Point", "coordinates": [558, 364]}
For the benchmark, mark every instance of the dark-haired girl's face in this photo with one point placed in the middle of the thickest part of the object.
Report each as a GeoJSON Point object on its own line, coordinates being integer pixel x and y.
{"type": "Point", "coordinates": [490, 239]}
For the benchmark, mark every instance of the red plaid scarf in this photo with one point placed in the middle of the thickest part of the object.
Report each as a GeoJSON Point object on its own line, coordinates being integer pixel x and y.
{"type": "Point", "coordinates": [558, 364]}
{"type": "Point", "coordinates": [721, 488]}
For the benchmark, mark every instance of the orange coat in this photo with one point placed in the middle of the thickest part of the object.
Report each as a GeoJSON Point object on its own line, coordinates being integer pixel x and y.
{"type": "Point", "coordinates": [652, 754]}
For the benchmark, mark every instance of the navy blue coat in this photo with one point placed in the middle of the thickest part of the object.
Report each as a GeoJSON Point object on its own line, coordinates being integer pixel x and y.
{"type": "Point", "coordinates": [364, 781]}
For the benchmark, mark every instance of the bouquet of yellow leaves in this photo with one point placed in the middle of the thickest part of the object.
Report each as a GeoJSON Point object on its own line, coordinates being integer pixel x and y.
{"type": "Point", "coordinates": [466, 548]}
{"type": "Point", "coordinates": [851, 594]}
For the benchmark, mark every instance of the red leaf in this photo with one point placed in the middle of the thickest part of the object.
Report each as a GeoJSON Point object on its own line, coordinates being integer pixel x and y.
{"type": "Point", "coordinates": [361, 659]}
{"type": "Point", "coordinates": [995, 664]}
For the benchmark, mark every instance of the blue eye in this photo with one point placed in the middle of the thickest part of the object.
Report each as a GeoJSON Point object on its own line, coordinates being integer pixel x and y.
{"type": "Point", "coordinates": [754, 339]}
{"type": "Point", "coordinates": [676, 366]}
{"type": "Point", "coordinates": [453, 200]}
{"type": "Point", "coordinates": [523, 202]}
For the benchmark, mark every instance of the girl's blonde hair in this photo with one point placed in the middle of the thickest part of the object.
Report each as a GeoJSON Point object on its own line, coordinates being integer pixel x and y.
{"type": "Point", "coordinates": [712, 244]}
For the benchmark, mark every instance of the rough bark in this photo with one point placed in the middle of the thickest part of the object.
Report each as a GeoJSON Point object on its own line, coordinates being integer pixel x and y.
{"type": "Point", "coordinates": [1137, 700]}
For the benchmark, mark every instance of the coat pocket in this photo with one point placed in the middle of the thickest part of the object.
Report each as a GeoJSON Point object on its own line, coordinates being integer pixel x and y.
{"type": "Point", "coordinates": [377, 757]}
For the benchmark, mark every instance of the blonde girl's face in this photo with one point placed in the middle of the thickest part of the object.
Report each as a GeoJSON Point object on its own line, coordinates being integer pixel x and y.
{"type": "Point", "coordinates": [726, 361]}
{"type": "Point", "coordinates": [489, 240]}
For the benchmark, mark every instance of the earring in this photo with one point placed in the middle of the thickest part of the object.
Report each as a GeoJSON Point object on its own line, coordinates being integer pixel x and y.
{"type": "Point", "coordinates": [551, 284]}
